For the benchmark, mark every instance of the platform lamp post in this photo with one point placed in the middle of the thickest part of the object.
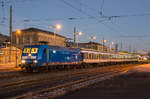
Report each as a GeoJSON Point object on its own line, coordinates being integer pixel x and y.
{"type": "Point", "coordinates": [111, 45]}
{"type": "Point", "coordinates": [104, 41]}
{"type": "Point", "coordinates": [79, 34]}
{"type": "Point", "coordinates": [18, 32]}
{"type": "Point", "coordinates": [57, 26]}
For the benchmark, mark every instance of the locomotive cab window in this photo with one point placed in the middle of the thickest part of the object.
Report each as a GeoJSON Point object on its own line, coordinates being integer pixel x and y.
{"type": "Point", "coordinates": [34, 50]}
{"type": "Point", "coordinates": [30, 50]}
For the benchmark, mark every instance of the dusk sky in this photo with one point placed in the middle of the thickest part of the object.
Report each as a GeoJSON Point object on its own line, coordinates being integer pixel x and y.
{"type": "Point", "coordinates": [131, 28]}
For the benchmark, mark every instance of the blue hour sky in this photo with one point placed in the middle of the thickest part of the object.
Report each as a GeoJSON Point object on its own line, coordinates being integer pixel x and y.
{"type": "Point", "coordinates": [131, 27]}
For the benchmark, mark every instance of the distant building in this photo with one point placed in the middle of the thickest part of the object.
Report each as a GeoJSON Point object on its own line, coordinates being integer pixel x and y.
{"type": "Point", "coordinates": [37, 36]}
{"type": "Point", "coordinates": [89, 45]}
{"type": "Point", "coordinates": [5, 54]}
{"type": "Point", "coordinates": [3, 40]}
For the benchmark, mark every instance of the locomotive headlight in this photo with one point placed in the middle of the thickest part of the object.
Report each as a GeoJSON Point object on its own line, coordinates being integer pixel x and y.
{"type": "Point", "coordinates": [35, 61]}
{"type": "Point", "coordinates": [29, 55]}
{"type": "Point", "coordinates": [23, 61]}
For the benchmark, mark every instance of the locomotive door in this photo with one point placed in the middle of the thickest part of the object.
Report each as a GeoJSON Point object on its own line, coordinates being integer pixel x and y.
{"type": "Point", "coordinates": [47, 58]}
{"type": "Point", "coordinates": [46, 55]}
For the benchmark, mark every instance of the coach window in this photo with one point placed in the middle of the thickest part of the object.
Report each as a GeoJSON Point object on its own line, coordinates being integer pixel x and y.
{"type": "Point", "coordinates": [88, 55]}
{"type": "Point", "coordinates": [100, 56]}
{"type": "Point", "coordinates": [110, 56]}
{"type": "Point", "coordinates": [103, 56]}
{"type": "Point", "coordinates": [94, 56]}
{"type": "Point", "coordinates": [85, 55]}
{"type": "Point", "coordinates": [91, 56]}
{"type": "Point", "coordinates": [97, 56]}
{"type": "Point", "coordinates": [106, 56]}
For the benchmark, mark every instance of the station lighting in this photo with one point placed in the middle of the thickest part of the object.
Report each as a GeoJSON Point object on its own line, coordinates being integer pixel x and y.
{"type": "Point", "coordinates": [94, 37]}
{"type": "Point", "coordinates": [80, 33]}
{"type": "Point", "coordinates": [104, 41]}
{"type": "Point", "coordinates": [58, 26]}
{"type": "Point", "coordinates": [18, 32]}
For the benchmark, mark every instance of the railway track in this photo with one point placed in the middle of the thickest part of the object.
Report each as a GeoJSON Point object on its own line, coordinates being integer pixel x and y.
{"type": "Point", "coordinates": [13, 74]}
{"type": "Point", "coordinates": [20, 87]}
{"type": "Point", "coordinates": [69, 86]}
{"type": "Point", "coordinates": [16, 74]}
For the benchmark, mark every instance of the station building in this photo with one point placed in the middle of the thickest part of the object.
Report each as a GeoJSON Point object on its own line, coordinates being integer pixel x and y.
{"type": "Point", "coordinates": [89, 45]}
{"type": "Point", "coordinates": [32, 36]}
{"type": "Point", "coordinates": [5, 55]}
{"type": "Point", "coordinates": [3, 40]}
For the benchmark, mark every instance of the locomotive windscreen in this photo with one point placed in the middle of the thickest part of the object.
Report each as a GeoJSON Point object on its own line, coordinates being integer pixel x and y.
{"type": "Point", "coordinates": [30, 50]}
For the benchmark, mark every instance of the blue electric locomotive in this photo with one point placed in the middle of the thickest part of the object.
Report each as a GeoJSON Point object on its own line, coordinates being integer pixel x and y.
{"type": "Point", "coordinates": [36, 56]}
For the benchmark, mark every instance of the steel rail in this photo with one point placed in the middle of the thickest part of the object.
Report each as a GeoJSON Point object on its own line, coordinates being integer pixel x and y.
{"type": "Point", "coordinates": [15, 84]}
{"type": "Point", "coordinates": [35, 80]}
{"type": "Point", "coordinates": [77, 75]}
{"type": "Point", "coordinates": [70, 86]}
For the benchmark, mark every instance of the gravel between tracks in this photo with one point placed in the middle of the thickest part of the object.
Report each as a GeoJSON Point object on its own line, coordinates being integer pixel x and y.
{"type": "Point", "coordinates": [135, 85]}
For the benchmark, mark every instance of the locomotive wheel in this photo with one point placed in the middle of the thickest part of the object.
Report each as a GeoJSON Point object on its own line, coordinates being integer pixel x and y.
{"type": "Point", "coordinates": [29, 69]}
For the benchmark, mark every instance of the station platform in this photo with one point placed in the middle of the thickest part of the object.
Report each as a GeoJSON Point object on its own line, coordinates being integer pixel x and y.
{"type": "Point", "coordinates": [135, 84]}
{"type": "Point", "coordinates": [8, 67]}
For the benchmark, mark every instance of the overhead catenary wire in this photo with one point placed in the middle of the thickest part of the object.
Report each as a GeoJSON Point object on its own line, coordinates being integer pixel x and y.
{"type": "Point", "coordinates": [101, 8]}
{"type": "Point", "coordinates": [88, 15]}
{"type": "Point", "coordinates": [85, 13]}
